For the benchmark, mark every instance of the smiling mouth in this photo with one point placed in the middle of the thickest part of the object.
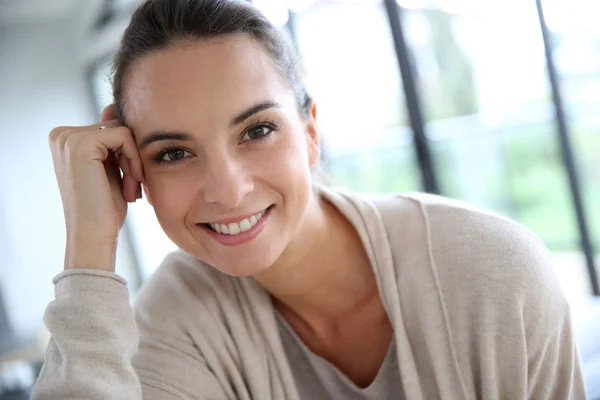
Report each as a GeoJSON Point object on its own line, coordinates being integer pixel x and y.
{"type": "Point", "coordinates": [235, 228]}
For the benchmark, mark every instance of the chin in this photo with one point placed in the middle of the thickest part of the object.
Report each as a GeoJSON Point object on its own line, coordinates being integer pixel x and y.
{"type": "Point", "coordinates": [243, 267]}
{"type": "Point", "coordinates": [237, 261]}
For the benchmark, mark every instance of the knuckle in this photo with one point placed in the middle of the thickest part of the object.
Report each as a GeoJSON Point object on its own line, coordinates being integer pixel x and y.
{"type": "Point", "coordinates": [123, 131]}
{"type": "Point", "coordinates": [128, 139]}
{"type": "Point", "coordinates": [56, 132]}
{"type": "Point", "coordinates": [70, 142]}
{"type": "Point", "coordinates": [117, 133]}
{"type": "Point", "coordinates": [61, 140]}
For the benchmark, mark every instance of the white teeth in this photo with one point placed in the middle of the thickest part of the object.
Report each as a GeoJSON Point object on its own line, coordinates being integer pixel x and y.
{"type": "Point", "coordinates": [245, 225]}
{"type": "Point", "coordinates": [234, 228]}
{"type": "Point", "coordinates": [242, 226]}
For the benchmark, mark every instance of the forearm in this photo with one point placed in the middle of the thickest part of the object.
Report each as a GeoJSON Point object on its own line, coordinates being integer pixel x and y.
{"type": "Point", "coordinates": [90, 251]}
{"type": "Point", "coordinates": [93, 339]}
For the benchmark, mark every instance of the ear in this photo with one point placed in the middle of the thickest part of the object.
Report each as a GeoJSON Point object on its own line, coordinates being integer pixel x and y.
{"type": "Point", "coordinates": [314, 150]}
{"type": "Point", "coordinates": [147, 193]}
{"type": "Point", "coordinates": [109, 113]}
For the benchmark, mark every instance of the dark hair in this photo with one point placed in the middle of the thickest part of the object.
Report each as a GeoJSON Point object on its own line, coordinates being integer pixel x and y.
{"type": "Point", "coordinates": [156, 24]}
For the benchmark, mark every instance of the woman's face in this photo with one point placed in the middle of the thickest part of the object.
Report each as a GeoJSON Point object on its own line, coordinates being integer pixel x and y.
{"type": "Point", "coordinates": [222, 143]}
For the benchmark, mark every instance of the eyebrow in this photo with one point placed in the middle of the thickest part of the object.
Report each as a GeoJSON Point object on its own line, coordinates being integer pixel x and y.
{"type": "Point", "coordinates": [265, 105]}
{"type": "Point", "coordinates": [160, 135]}
{"type": "Point", "coordinates": [182, 136]}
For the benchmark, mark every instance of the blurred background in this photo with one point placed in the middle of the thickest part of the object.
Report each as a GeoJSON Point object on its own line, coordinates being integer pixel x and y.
{"type": "Point", "coordinates": [494, 102]}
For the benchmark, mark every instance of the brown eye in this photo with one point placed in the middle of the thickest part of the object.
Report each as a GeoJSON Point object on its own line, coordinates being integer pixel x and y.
{"type": "Point", "coordinates": [259, 131]}
{"type": "Point", "coordinates": [172, 155]}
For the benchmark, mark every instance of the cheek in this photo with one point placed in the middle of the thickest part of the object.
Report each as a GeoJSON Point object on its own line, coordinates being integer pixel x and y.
{"type": "Point", "coordinates": [289, 160]}
{"type": "Point", "coordinates": [171, 194]}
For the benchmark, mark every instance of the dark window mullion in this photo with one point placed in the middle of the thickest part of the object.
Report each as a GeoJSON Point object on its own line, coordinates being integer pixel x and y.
{"type": "Point", "coordinates": [428, 173]}
{"type": "Point", "coordinates": [567, 152]}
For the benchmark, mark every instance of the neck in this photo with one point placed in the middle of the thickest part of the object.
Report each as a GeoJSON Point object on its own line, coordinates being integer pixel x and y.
{"type": "Point", "coordinates": [324, 275]}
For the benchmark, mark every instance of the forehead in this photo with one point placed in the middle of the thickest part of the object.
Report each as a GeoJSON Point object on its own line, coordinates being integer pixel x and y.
{"type": "Point", "coordinates": [207, 79]}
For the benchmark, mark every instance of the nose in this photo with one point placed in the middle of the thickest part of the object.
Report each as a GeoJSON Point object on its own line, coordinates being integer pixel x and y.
{"type": "Point", "coordinates": [226, 182]}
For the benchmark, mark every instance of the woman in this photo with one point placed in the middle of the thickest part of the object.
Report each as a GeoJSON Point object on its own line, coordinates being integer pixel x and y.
{"type": "Point", "coordinates": [281, 289]}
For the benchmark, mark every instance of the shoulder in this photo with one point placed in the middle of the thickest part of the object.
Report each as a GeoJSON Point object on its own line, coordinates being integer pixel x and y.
{"type": "Point", "coordinates": [458, 231]}
{"type": "Point", "coordinates": [489, 262]}
{"type": "Point", "coordinates": [446, 214]}
{"type": "Point", "coordinates": [477, 253]}
{"type": "Point", "coordinates": [491, 274]}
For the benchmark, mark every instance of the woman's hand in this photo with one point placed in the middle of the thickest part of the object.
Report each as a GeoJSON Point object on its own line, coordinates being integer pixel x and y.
{"type": "Point", "coordinates": [88, 162]}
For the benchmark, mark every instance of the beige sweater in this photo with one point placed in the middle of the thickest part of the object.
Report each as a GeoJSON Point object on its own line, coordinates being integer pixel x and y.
{"type": "Point", "coordinates": [476, 309]}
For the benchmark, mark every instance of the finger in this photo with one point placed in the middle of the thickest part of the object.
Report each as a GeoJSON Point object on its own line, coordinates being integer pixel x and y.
{"type": "Point", "coordinates": [113, 174]}
{"type": "Point", "coordinates": [112, 170]}
{"type": "Point", "coordinates": [107, 124]}
{"type": "Point", "coordinates": [109, 113]}
{"type": "Point", "coordinates": [130, 188]}
{"type": "Point", "coordinates": [123, 162]}
{"type": "Point", "coordinates": [131, 153]}
{"type": "Point", "coordinates": [121, 139]}
{"type": "Point", "coordinates": [134, 164]}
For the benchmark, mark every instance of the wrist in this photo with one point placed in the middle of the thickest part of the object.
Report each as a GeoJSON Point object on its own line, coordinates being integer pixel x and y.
{"type": "Point", "coordinates": [86, 253]}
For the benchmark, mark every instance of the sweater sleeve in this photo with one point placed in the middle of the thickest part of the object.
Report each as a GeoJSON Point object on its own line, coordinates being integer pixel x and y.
{"type": "Point", "coordinates": [94, 345]}
{"type": "Point", "coordinates": [93, 338]}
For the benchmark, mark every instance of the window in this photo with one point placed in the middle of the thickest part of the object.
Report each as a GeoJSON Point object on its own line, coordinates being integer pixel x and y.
{"type": "Point", "coordinates": [351, 70]}
{"type": "Point", "coordinates": [490, 116]}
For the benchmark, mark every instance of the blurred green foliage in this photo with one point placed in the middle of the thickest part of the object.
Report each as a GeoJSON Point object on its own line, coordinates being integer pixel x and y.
{"type": "Point", "coordinates": [527, 181]}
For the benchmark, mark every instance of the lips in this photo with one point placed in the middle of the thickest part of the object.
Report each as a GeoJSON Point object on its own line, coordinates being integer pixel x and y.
{"type": "Point", "coordinates": [235, 228]}
{"type": "Point", "coordinates": [241, 237]}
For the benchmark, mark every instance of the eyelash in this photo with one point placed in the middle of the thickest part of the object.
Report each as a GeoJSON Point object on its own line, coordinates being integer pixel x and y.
{"type": "Point", "coordinates": [270, 125]}
{"type": "Point", "coordinates": [158, 158]}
